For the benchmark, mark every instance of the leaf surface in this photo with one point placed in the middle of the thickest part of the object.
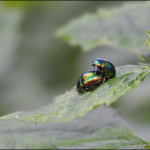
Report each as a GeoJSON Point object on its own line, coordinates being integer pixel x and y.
{"type": "Point", "coordinates": [100, 128]}
{"type": "Point", "coordinates": [148, 41]}
{"type": "Point", "coordinates": [123, 27]}
{"type": "Point", "coordinates": [70, 104]}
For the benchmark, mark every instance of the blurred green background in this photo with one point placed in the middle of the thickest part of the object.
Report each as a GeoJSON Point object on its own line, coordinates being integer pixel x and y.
{"type": "Point", "coordinates": [35, 66]}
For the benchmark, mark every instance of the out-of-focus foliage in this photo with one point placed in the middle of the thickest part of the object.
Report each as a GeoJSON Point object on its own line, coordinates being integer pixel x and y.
{"type": "Point", "coordinates": [70, 105]}
{"type": "Point", "coordinates": [124, 27]}
{"type": "Point", "coordinates": [101, 128]}
{"type": "Point", "coordinates": [35, 66]}
{"type": "Point", "coordinates": [148, 41]}
{"type": "Point", "coordinates": [25, 4]}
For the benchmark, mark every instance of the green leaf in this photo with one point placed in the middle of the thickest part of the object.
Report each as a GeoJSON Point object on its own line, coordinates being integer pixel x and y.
{"type": "Point", "coordinates": [100, 128]}
{"type": "Point", "coordinates": [148, 41]}
{"type": "Point", "coordinates": [120, 27]}
{"type": "Point", "coordinates": [70, 105]}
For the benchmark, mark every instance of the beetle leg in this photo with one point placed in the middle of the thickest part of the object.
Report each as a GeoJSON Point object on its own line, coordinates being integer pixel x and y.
{"type": "Point", "coordinates": [94, 69]}
{"type": "Point", "coordinates": [104, 80]}
{"type": "Point", "coordinates": [93, 90]}
{"type": "Point", "coordinates": [108, 76]}
{"type": "Point", "coordinates": [98, 70]}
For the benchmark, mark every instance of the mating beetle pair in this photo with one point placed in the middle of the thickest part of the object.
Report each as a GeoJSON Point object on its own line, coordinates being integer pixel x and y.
{"type": "Point", "coordinates": [103, 70]}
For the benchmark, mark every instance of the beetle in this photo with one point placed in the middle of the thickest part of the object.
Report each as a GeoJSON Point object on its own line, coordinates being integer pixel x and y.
{"type": "Point", "coordinates": [104, 66]}
{"type": "Point", "coordinates": [89, 81]}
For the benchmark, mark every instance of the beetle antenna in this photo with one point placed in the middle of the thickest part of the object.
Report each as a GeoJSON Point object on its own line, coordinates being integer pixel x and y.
{"type": "Point", "coordinates": [89, 69]}
{"type": "Point", "coordinates": [90, 66]}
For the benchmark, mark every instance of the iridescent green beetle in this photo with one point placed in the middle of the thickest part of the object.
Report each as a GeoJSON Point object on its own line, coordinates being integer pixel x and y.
{"type": "Point", "coordinates": [89, 81]}
{"type": "Point", "coordinates": [104, 66]}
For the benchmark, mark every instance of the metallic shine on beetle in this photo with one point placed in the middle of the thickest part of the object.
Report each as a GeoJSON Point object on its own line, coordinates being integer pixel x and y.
{"type": "Point", "coordinates": [103, 70]}
{"type": "Point", "coordinates": [89, 81]}
{"type": "Point", "coordinates": [104, 66]}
